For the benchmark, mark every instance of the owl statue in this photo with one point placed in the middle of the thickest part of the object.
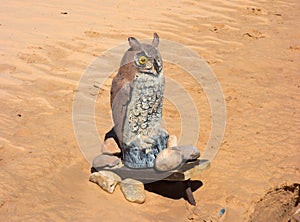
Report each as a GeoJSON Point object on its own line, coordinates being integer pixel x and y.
{"type": "Point", "coordinates": [136, 100]}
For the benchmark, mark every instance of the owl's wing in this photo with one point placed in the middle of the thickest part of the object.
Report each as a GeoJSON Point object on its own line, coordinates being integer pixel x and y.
{"type": "Point", "coordinates": [119, 105]}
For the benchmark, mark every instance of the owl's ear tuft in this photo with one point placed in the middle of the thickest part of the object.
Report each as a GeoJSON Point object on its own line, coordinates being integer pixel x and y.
{"type": "Point", "coordinates": [155, 40]}
{"type": "Point", "coordinates": [134, 43]}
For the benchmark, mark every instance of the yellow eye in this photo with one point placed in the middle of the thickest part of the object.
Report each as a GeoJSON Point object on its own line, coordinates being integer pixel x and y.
{"type": "Point", "coordinates": [142, 60]}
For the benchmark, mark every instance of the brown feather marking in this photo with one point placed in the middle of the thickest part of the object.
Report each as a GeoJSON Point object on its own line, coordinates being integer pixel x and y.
{"type": "Point", "coordinates": [126, 74]}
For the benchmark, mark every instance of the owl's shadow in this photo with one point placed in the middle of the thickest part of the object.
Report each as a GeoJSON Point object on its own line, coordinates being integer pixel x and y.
{"type": "Point", "coordinates": [113, 135]}
{"type": "Point", "coordinates": [172, 189]}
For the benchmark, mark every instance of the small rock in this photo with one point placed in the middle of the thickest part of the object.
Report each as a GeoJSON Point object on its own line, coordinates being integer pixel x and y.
{"type": "Point", "coordinates": [107, 180]}
{"type": "Point", "coordinates": [110, 146]}
{"type": "Point", "coordinates": [188, 152]}
{"type": "Point", "coordinates": [168, 159]}
{"type": "Point", "coordinates": [133, 190]}
{"type": "Point", "coordinates": [172, 141]}
{"type": "Point", "coordinates": [295, 217]}
{"type": "Point", "coordinates": [105, 160]}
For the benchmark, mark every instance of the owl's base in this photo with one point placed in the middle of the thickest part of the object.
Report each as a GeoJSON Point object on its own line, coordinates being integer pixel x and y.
{"type": "Point", "coordinates": [141, 153]}
{"type": "Point", "coordinates": [184, 174]}
{"type": "Point", "coordinates": [140, 158]}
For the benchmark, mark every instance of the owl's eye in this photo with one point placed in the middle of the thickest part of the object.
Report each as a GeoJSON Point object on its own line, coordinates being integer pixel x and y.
{"type": "Point", "coordinates": [142, 60]}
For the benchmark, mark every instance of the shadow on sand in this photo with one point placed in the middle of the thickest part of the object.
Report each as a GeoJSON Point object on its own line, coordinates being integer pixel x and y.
{"type": "Point", "coordinates": [172, 189]}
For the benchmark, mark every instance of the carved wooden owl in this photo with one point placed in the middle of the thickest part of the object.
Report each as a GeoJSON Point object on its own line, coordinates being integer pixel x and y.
{"type": "Point", "coordinates": [136, 100]}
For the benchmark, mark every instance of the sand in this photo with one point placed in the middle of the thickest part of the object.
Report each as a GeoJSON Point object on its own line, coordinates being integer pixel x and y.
{"type": "Point", "coordinates": [253, 48]}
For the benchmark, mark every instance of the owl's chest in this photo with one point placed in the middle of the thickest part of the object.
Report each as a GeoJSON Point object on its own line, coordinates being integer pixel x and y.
{"type": "Point", "coordinates": [144, 111]}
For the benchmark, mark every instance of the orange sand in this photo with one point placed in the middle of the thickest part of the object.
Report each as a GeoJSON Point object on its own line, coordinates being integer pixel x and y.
{"type": "Point", "coordinates": [253, 48]}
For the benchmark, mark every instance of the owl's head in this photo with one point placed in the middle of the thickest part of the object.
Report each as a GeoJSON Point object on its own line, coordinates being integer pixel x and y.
{"type": "Point", "coordinates": [145, 57]}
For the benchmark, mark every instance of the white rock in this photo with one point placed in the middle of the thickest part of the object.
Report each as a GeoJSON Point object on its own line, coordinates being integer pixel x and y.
{"type": "Point", "coordinates": [133, 190]}
{"type": "Point", "coordinates": [168, 159]}
{"type": "Point", "coordinates": [105, 160]}
{"type": "Point", "coordinates": [107, 180]}
{"type": "Point", "coordinates": [189, 152]}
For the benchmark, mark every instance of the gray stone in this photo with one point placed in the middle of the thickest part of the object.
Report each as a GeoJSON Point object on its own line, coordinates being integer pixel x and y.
{"type": "Point", "coordinates": [188, 152]}
{"type": "Point", "coordinates": [106, 160]}
{"type": "Point", "coordinates": [133, 190]}
{"type": "Point", "coordinates": [107, 180]}
{"type": "Point", "coordinates": [168, 159]}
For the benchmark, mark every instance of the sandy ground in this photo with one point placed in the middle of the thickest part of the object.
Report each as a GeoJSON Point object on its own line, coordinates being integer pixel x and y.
{"type": "Point", "coordinates": [253, 48]}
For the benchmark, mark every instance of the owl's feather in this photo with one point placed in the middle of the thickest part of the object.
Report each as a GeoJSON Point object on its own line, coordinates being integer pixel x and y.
{"type": "Point", "coordinates": [125, 75]}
